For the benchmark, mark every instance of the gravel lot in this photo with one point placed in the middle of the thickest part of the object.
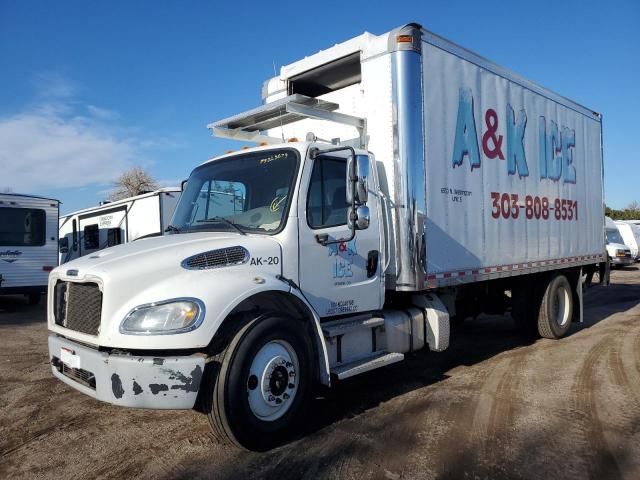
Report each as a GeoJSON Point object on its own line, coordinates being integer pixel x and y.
{"type": "Point", "coordinates": [495, 405]}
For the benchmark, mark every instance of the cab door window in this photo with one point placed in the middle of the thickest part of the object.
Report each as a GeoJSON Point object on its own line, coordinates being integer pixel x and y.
{"type": "Point", "coordinates": [326, 203]}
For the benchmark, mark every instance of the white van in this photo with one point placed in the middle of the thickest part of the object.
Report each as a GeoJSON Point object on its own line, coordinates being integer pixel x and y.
{"type": "Point", "coordinates": [28, 244]}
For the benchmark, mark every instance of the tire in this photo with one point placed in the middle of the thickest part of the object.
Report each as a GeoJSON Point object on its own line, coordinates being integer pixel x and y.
{"type": "Point", "coordinates": [556, 309]}
{"type": "Point", "coordinates": [252, 402]}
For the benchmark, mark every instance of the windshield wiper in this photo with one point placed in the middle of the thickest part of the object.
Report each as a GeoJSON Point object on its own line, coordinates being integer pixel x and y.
{"type": "Point", "coordinates": [171, 228]}
{"type": "Point", "coordinates": [223, 220]}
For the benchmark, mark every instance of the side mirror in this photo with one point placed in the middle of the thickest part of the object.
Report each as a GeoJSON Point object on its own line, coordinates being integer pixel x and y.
{"type": "Point", "coordinates": [358, 173]}
{"type": "Point", "coordinates": [183, 183]}
{"type": "Point", "coordinates": [63, 244]}
{"type": "Point", "coordinates": [359, 218]}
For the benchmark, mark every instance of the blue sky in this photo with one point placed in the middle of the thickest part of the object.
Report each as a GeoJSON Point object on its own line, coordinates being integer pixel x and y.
{"type": "Point", "coordinates": [90, 88]}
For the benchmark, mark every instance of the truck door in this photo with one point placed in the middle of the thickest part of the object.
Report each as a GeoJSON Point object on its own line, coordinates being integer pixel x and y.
{"type": "Point", "coordinates": [344, 277]}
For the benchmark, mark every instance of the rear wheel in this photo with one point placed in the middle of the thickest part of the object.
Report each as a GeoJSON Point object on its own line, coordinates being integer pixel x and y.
{"type": "Point", "coordinates": [261, 384]}
{"type": "Point", "coordinates": [556, 309]}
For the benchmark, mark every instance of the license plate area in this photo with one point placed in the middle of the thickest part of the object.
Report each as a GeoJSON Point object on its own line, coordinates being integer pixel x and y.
{"type": "Point", "coordinates": [69, 358]}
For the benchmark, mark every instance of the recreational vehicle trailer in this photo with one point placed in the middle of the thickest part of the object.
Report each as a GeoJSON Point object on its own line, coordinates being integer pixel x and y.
{"type": "Point", "coordinates": [28, 244]}
{"type": "Point", "coordinates": [113, 223]}
{"type": "Point", "coordinates": [445, 186]}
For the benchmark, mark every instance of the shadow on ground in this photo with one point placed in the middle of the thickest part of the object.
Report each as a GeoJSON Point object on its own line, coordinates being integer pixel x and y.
{"type": "Point", "coordinates": [15, 310]}
{"type": "Point", "coordinates": [471, 344]}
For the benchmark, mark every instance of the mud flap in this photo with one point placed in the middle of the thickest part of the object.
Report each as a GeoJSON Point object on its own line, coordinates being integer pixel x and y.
{"type": "Point", "coordinates": [577, 285]}
{"type": "Point", "coordinates": [580, 291]}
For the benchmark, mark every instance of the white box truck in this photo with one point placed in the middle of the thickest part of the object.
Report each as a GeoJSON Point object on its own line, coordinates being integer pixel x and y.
{"type": "Point", "coordinates": [28, 244]}
{"type": "Point", "coordinates": [618, 253]}
{"type": "Point", "coordinates": [113, 223]}
{"type": "Point", "coordinates": [445, 186]}
{"type": "Point", "coordinates": [630, 234]}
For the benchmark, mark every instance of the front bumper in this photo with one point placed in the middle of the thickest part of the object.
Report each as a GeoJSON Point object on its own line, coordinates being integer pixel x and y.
{"type": "Point", "coordinates": [166, 382]}
{"type": "Point", "coordinates": [622, 261]}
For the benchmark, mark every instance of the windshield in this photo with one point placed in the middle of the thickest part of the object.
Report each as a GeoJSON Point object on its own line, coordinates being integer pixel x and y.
{"type": "Point", "coordinates": [248, 193]}
{"type": "Point", "coordinates": [613, 236]}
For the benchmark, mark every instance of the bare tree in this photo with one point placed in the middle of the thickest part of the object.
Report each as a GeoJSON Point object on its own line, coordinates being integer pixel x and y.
{"type": "Point", "coordinates": [633, 206]}
{"type": "Point", "coordinates": [133, 182]}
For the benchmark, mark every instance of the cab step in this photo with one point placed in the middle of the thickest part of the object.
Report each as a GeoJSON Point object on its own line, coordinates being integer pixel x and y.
{"type": "Point", "coordinates": [344, 326]}
{"type": "Point", "coordinates": [352, 369]}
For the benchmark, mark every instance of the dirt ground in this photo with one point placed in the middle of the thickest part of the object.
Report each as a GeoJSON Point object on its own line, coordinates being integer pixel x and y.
{"type": "Point", "coordinates": [495, 405]}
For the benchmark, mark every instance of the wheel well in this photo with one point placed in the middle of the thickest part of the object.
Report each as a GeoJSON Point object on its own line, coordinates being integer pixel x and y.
{"type": "Point", "coordinates": [261, 304]}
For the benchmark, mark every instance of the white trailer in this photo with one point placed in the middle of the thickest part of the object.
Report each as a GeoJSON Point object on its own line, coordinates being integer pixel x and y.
{"type": "Point", "coordinates": [114, 223]}
{"type": "Point", "coordinates": [28, 244]}
{"type": "Point", "coordinates": [446, 186]}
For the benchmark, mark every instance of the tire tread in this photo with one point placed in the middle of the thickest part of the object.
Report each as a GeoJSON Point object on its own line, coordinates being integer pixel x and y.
{"type": "Point", "coordinates": [545, 322]}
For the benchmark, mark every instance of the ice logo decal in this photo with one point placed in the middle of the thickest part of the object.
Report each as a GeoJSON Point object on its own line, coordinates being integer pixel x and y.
{"type": "Point", "coordinates": [10, 256]}
{"type": "Point", "coordinates": [343, 254]}
{"type": "Point", "coordinates": [555, 144]}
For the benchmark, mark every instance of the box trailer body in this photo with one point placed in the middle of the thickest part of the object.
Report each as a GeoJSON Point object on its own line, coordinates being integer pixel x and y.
{"type": "Point", "coordinates": [635, 230]}
{"type": "Point", "coordinates": [630, 234]}
{"type": "Point", "coordinates": [114, 223]}
{"type": "Point", "coordinates": [431, 185]}
{"type": "Point", "coordinates": [505, 176]}
{"type": "Point", "coordinates": [28, 243]}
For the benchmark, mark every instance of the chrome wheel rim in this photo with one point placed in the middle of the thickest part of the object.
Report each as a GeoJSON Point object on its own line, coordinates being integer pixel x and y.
{"type": "Point", "coordinates": [272, 383]}
{"type": "Point", "coordinates": [561, 302]}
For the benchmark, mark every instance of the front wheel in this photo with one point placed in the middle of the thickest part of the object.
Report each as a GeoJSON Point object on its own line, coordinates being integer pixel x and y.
{"type": "Point", "coordinates": [556, 310]}
{"type": "Point", "coordinates": [261, 383]}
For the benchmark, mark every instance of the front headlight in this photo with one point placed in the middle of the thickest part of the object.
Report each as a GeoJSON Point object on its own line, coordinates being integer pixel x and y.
{"type": "Point", "coordinates": [168, 317]}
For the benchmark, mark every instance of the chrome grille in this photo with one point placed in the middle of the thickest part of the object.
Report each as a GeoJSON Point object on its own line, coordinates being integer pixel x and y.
{"type": "Point", "coordinates": [223, 257]}
{"type": "Point", "coordinates": [78, 306]}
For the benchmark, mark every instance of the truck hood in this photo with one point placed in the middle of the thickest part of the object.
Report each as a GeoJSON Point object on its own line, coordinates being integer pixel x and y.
{"type": "Point", "coordinates": [612, 247]}
{"type": "Point", "coordinates": [156, 253]}
{"type": "Point", "coordinates": [151, 270]}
